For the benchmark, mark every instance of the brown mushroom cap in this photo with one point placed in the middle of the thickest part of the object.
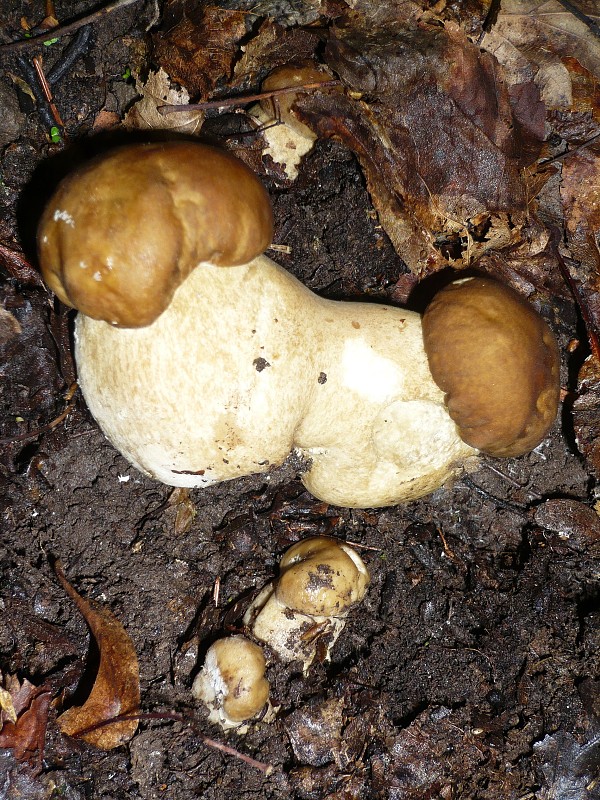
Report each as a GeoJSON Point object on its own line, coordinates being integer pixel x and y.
{"type": "Point", "coordinates": [120, 234]}
{"type": "Point", "coordinates": [498, 363]}
{"type": "Point", "coordinates": [321, 577]}
{"type": "Point", "coordinates": [294, 73]}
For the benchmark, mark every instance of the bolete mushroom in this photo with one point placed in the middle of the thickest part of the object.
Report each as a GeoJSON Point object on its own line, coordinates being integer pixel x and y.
{"type": "Point", "coordinates": [320, 579]}
{"type": "Point", "coordinates": [122, 233]}
{"type": "Point", "coordinates": [287, 139]}
{"type": "Point", "coordinates": [245, 364]}
{"type": "Point", "coordinates": [232, 681]}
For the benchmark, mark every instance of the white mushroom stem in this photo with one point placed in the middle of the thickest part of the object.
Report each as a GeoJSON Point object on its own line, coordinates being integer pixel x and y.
{"type": "Point", "coordinates": [246, 364]}
{"type": "Point", "coordinates": [290, 633]}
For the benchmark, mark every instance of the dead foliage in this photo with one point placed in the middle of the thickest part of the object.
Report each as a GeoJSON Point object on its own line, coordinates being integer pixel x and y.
{"type": "Point", "coordinates": [23, 720]}
{"type": "Point", "coordinates": [116, 688]}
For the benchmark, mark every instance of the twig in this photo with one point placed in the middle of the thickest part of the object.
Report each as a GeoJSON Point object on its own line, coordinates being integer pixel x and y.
{"type": "Point", "coordinates": [72, 52]}
{"type": "Point", "coordinates": [243, 99]}
{"type": "Point", "coordinates": [37, 63]}
{"type": "Point", "coordinates": [22, 437]}
{"type": "Point", "coordinates": [266, 769]}
{"type": "Point", "coordinates": [568, 153]}
{"type": "Point", "coordinates": [31, 76]}
{"type": "Point", "coordinates": [64, 30]}
{"type": "Point", "coordinates": [572, 8]}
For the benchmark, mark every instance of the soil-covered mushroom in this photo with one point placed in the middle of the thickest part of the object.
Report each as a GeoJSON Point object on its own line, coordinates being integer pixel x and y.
{"type": "Point", "coordinates": [320, 580]}
{"type": "Point", "coordinates": [232, 681]}
{"type": "Point", "coordinates": [246, 365]}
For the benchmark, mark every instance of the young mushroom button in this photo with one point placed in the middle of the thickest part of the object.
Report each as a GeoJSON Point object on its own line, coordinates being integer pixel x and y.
{"type": "Point", "coordinates": [202, 360]}
{"type": "Point", "coordinates": [320, 580]}
{"type": "Point", "coordinates": [232, 681]}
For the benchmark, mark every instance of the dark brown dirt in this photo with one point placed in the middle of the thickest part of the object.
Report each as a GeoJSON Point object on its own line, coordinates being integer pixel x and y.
{"type": "Point", "coordinates": [479, 636]}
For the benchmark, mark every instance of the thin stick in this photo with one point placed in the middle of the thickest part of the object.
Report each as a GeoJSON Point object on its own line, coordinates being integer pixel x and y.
{"type": "Point", "coordinates": [22, 437]}
{"type": "Point", "coordinates": [569, 153]}
{"type": "Point", "coordinates": [37, 63]}
{"type": "Point", "coordinates": [64, 30]}
{"type": "Point", "coordinates": [578, 14]}
{"type": "Point", "coordinates": [173, 716]}
{"type": "Point", "coordinates": [243, 99]}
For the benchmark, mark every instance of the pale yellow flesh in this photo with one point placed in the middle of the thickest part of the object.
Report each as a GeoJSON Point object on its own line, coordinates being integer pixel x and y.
{"type": "Point", "coordinates": [247, 364]}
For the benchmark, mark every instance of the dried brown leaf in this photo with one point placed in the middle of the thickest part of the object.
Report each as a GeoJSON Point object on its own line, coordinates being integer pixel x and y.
{"type": "Point", "coordinates": [440, 139]}
{"type": "Point", "coordinates": [116, 689]}
{"type": "Point", "coordinates": [26, 709]}
{"type": "Point", "coordinates": [271, 47]}
{"type": "Point", "coordinates": [155, 92]}
{"type": "Point", "coordinates": [581, 204]}
{"type": "Point", "coordinates": [586, 414]}
{"type": "Point", "coordinates": [199, 51]}
{"type": "Point", "coordinates": [543, 39]}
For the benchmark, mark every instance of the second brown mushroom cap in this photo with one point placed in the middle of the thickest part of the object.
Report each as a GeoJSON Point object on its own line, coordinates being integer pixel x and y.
{"type": "Point", "coordinates": [497, 362]}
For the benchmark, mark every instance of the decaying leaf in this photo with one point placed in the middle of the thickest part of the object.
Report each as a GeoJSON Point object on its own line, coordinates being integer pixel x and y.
{"type": "Point", "coordinates": [155, 92]}
{"type": "Point", "coordinates": [577, 525]}
{"type": "Point", "coordinates": [586, 414]}
{"type": "Point", "coordinates": [23, 721]}
{"type": "Point", "coordinates": [542, 33]}
{"type": "Point", "coordinates": [570, 770]}
{"type": "Point", "coordinates": [315, 731]}
{"type": "Point", "coordinates": [186, 510]}
{"type": "Point", "coordinates": [116, 690]}
{"type": "Point", "coordinates": [270, 47]}
{"type": "Point", "coordinates": [441, 139]}
{"type": "Point", "coordinates": [199, 51]}
{"type": "Point", "coordinates": [581, 204]}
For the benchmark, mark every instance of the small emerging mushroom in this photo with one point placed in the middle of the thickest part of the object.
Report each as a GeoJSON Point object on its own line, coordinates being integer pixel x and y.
{"type": "Point", "coordinates": [320, 580]}
{"type": "Point", "coordinates": [287, 139]}
{"type": "Point", "coordinates": [232, 681]}
{"type": "Point", "coordinates": [238, 364]}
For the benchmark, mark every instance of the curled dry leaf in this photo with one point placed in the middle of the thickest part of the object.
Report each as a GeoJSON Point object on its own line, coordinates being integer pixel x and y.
{"type": "Point", "coordinates": [156, 92]}
{"type": "Point", "coordinates": [23, 721]}
{"type": "Point", "coordinates": [116, 690]}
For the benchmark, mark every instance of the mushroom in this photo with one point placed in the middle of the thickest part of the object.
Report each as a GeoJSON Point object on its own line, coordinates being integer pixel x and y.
{"type": "Point", "coordinates": [246, 365]}
{"type": "Point", "coordinates": [497, 362]}
{"type": "Point", "coordinates": [320, 580]}
{"type": "Point", "coordinates": [122, 233]}
{"type": "Point", "coordinates": [232, 681]}
{"type": "Point", "coordinates": [287, 139]}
